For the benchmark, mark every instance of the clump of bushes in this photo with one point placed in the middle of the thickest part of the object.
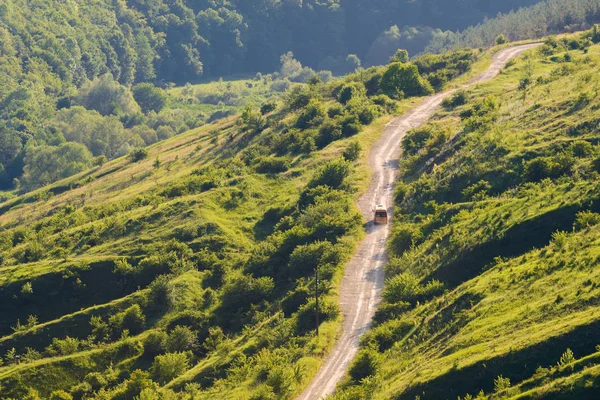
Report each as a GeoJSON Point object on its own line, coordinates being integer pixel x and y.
{"type": "Point", "coordinates": [405, 287]}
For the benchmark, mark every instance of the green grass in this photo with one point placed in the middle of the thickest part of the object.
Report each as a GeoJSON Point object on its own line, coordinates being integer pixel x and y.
{"type": "Point", "coordinates": [517, 294]}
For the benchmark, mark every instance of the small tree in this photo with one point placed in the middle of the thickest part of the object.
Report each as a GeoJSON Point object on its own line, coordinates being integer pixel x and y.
{"type": "Point", "coordinates": [60, 395]}
{"type": "Point", "coordinates": [501, 383]}
{"type": "Point", "coordinates": [400, 56]}
{"type": "Point", "coordinates": [181, 338]}
{"type": "Point", "coordinates": [567, 359]}
{"type": "Point", "coordinates": [150, 98]}
{"type": "Point", "coordinates": [137, 155]}
{"type": "Point", "coordinates": [352, 152]}
{"type": "Point", "coordinates": [365, 364]}
{"type": "Point", "coordinates": [401, 78]}
{"type": "Point", "coordinates": [501, 39]}
{"type": "Point", "coordinates": [167, 367]}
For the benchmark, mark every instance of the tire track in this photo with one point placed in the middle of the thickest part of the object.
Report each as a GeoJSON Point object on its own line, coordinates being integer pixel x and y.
{"type": "Point", "coordinates": [363, 280]}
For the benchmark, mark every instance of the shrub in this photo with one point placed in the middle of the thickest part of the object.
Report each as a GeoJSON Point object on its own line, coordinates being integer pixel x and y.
{"type": "Point", "coordinates": [367, 115]}
{"type": "Point", "coordinates": [548, 167]}
{"type": "Point", "coordinates": [458, 98]}
{"type": "Point", "coordinates": [586, 219]}
{"type": "Point", "coordinates": [272, 165]}
{"type": "Point", "coordinates": [403, 79]}
{"type": "Point", "coordinates": [388, 105]}
{"type": "Point", "coordinates": [567, 359]}
{"type": "Point", "coordinates": [149, 98]}
{"type": "Point", "coordinates": [328, 133]}
{"type": "Point", "coordinates": [402, 287]}
{"type": "Point", "coordinates": [400, 56]}
{"type": "Point", "coordinates": [64, 347]}
{"type": "Point", "coordinates": [167, 367]}
{"type": "Point", "coordinates": [132, 319]}
{"type": "Point", "coordinates": [350, 91]}
{"type": "Point", "coordinates": [155, 342]}
{"type": "Point", "coordinates": [242, 292]}
{"type": "Point", "coordinates": [501, 39]}
{"type": "Point", "coordinates": [164, 132]}
{"type": "Point", "coordinates": [137, 155]}
{"type": "Point", "coordinates": [267, 108]}
{"type": "Point", "coordinates": [415, 139]}
{"type": "Point", "coordinates": [325, 76]}
{"type": "Point", "coordinates": [181, 339]}
{"type": "Point", "coordinates": [60, 395]}
{"type": "Point", "coordinates": [331, 174]}
{"type": "Point", "coordinates": [404, 236]}
{"type": "Point", "coordinates": [364, 365]}
{"type": "Point", "coordinates": [313, 114]}
{"type": "Point", "coordinates": [159, 291]}
{"type": "Point", "coordinates": [582, 149]}
{"type": "Point", "coordinates": [501, 383]}
{"type": "Point", "coordinates": [298, 97]}
{"type": "Point", "coordinates": [352, 152]}
{"type": "Point", "coordinates": [306, 317]}
{"type": "Point", "coordinates": [385, 335]}
{"type": "Point", "coordinates": [281, 85]}
{"type": "Point", "coordinates": [96, 380]}
{"type": "Point", "coordinates": [335, 111]}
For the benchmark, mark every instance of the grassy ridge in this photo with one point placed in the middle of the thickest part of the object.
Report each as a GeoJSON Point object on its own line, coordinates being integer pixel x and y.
{"type": "Point", "coordinates": [494, 256]}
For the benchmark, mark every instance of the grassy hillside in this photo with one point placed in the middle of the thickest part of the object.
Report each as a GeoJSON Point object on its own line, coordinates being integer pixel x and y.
{"type": "Point", "coordinates": [492, 289]}
{"type": "Point", "coordinates": [186, 268]}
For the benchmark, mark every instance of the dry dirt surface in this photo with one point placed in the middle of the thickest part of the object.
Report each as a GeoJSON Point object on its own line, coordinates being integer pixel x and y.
{"type": "Point", "coordinates": [364, 276]}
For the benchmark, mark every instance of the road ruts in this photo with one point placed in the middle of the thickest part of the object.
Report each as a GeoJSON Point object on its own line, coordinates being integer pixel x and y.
{"type": "Point", "coordinates": [364, 275]}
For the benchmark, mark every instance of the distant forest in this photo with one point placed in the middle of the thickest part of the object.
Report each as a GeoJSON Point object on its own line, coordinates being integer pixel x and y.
{"type": "Point", "coordinates": [182, 40]}
{"type": "Point", "coordinates": [83, 81]}
{"type": "Point", "coordinates": [542, 19]}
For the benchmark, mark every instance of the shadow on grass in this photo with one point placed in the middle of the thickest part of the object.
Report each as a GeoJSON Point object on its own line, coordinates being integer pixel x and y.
{"type": "Point", "coordinates": [516, 365]}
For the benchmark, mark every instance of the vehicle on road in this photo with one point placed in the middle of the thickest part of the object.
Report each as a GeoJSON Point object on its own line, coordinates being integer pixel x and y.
{"type": "Point", "coordinates": [381, 215]}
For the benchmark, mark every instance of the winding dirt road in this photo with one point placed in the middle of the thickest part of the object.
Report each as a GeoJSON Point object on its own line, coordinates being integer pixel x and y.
{"type": "Point", "coordinates": [364, 276]}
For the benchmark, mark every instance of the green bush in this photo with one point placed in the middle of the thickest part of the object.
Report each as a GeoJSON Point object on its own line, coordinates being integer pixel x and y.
{"type": "Point", "coordinates": [181, 338]}
{"type": "Point", "coordinates": [60, 395]}
{"type": "Point", "coordinates": [272, 165]}
{"type": "Point", "coordinates": [267, 108]}
{"type": "Point", "coordinates": [149, 98]}
{"type": "Point", "coordinates": [404, 236]}
{"type": "Point", "coordinates": [458, 98]}
{"type": "Point", "coordinates": [352, 152]}
{"type": "Point", "coordinates": [547, 167]}
{"type": "Point", "coordinates": [415, 139]}
{"type": "Point", "coordinates": [137, 155]}
{"type": "Point", "coordinates": [155, 342]}
{"type": "Point", "coordinates": [306, 316]}
{"type": "Point", "coordinates": [586, 219]}
{"type": "Point", "coordinates": [167, 367]}
{"type": "Point", "coordinates": [331, 174]}
{"type": "Point", "coordinates": [328, 133]}
{"type": "Point", "coordinates": [132, 319]}
{"type": "Point", "coordinates": [404, 78]}
{"type": "Point", "coordinates": [351, 91]}
{"type": "Point", "coordinates": [365, 364]}
{"type": "Point", "coordinates": [312, 115]}
{"type": "Point", "coordinates": [96, 380]}
{"type": "Point", "coordinates": [501, 39]}
{"type": "Point", "coordinates": [64, 347]}
{"type": "Point", "coordinates": [335, 111]}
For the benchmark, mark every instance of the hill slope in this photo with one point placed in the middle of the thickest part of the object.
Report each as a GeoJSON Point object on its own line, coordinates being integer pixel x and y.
{"type": "Point", "coordinates": [187, 268]}
{"type": "Point", "coordinates": [492, 286]}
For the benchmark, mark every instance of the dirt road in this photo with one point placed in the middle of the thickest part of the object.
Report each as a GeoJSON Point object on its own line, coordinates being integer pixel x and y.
{"type": "Point", "coordinates": [364, 276]}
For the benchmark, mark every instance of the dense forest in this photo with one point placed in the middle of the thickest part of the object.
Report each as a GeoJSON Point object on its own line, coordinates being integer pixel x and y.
{"type": "Point", "coordinates": [84, 82]}
{"type": "Point", "coordinates": [542, 19]}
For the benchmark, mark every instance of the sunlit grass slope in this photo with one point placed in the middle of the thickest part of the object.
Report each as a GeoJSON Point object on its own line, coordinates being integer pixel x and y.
{"type": "Point", "coordinates": [494, 283]}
